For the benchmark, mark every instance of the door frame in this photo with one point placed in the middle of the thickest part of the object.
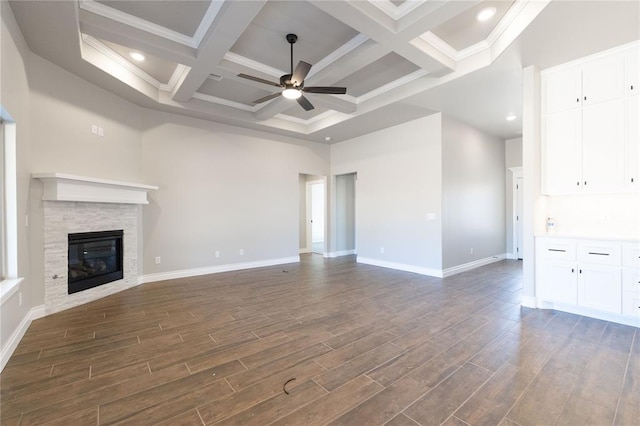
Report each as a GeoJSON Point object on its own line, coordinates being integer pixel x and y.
{"type": "Point", "coordinates": [516, 174]}
{"type": "Point", "coordinates": [308, 214]}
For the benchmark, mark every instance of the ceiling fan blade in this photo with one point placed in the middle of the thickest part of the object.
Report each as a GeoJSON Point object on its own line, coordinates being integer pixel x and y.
{"type": "Point", "coordinates": [304, 103]}
{"type": "Point", "coordinates": [326, 90]}
{"type": "Point", "coordinates": [267, 98]}
{"type": "Point", "coordinates": [259, 80]}
{"type": "Point", "coordinates": [299, 74]}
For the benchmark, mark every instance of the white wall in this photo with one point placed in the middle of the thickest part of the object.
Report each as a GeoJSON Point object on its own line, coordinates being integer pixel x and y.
{"type": "Point", "coordinates": [399, 182]}
{"type": "Point", "coordinates": [345, 213]}
{"type": "Point", "coordinates": [473, 194]}
{"type": "Point", "coordinates": [14, 98]}
{"type": "Point", "coordinates": [221, 189]}
{"type": "Point", "coordinates": [513, 158]}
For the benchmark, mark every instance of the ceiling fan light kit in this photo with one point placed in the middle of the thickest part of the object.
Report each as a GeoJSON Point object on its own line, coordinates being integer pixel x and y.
{"type": "Point", "coordinates": [293, 83]}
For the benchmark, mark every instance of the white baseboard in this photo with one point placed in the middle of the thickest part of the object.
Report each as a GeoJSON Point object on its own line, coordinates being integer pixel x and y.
{"type": "Point", "coordinates": [333, 254]}
{"type": "Point", "coordinates": [472, 265]}
{"type": "Point", "coordinates": [304, 251]}
{"type": "Point", "coordinates": [529, 302]}
{"type": "Point", "coordinates": [401, 267]}
{"type": "Point", "coordinates": [185, 273]}
{"type": "Point", "coordinates": [593, 313]}
{"type": "Point", "coordinates": [512, 256]}
{"type": "Point", "coordinates": [14, 340]}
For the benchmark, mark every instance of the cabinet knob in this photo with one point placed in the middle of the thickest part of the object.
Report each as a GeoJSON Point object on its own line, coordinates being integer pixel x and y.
{"type": "Point", "coordinates": [578, 183]}
{"type": "Point", "coordinates": [578, 100]}
{"type": "Point", "coordinates": [580, 270]}
{"type": "Point", "coordinates": [585, 98]}
{"type": "Point", "coordinates": [572, 270]}
{"type": "Point", "coordinates": [631, 180]}
{"type": "Point", "coordinates": [585, 182]}
{"type": "Point", "coordinates": [632, 87]}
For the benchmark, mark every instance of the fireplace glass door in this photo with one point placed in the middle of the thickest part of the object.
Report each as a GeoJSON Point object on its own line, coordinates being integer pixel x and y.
{"type": "Point", "coordinates": [95, 258]}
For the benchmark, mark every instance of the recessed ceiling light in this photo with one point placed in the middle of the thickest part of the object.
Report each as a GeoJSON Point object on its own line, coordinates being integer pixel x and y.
{"type": "Point", "coordinates": [327, 138]}
{"type": "Point", "coordinates": [486, 13]}
{"type": "Point", "coordinates": [511, 117]}
{"type": "Point", "coordinates": [137, 56]}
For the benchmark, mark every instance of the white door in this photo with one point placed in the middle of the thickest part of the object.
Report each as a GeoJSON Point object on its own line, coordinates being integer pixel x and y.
{"type": "Point", "coordinates": [518, 224]}
{"type": "Point", "coordinates": [315, 215]}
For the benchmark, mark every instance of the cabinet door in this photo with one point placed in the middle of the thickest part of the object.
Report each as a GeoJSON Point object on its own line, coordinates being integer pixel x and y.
{"type": "Point", "coordinates": [562, 90]}
{"type": "Point", "coordinates": [600, 287]}
{"type": "Point", "coordinates": [603, 80]}
{"type": "Point", "coordinates": [603, 146]}
{"type": "Point", "coordinates": [633, 71]}
{"type": "Point", "coordinates": [562, 160]}
{"type": "Point", "coordinates": [632, 149]}
{"type": "Point", "coordinates": [560, 282]}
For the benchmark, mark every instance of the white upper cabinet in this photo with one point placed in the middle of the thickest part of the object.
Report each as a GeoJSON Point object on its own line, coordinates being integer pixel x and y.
{"type": "Point", "coordinates": [590, 124]}
{"type": "Point", "coordinates": [603, 146]}
{"type": "Point", "coordinates": [632, 149]}
{"type": "Point", "coordinates": [603, 80]}
{"type": "Point", "coordinates": [563, 90]}
{"type": "Point", "coordinates": [632, 84]}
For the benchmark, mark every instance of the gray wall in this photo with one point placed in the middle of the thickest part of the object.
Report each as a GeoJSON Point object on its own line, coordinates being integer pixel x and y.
{"type": "Point", "coordinates": [473, 194]}
{"type": "Point", "coordinates": [513, 158]}
{"type": "Point", "coordinates": [399, 182]}
{"type": "Point", "coordinates": [345, 200]}
{"type": "Point", "coordinates": [221, 189]}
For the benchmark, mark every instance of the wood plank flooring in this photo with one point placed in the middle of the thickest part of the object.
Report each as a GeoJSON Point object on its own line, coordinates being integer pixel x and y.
{"type": "Point", "coordinates": [365, 345]}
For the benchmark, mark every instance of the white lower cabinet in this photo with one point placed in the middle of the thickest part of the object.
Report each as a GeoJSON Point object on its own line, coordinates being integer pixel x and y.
{"type": "Point", "coordinates": [600, 287]}
{"type": "Point", "coordinates": [594, 275]}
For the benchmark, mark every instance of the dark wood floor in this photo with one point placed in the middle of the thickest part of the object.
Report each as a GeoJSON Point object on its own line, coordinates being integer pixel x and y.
{"type": "Point", "coordinates": [365, 345]}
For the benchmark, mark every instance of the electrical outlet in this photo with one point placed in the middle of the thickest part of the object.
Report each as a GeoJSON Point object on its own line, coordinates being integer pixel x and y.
{"type": "Point", "coordinates": [241, 251]}
{"type": "Point", "coordinates": [217, 253]}
{"type": "Point", "coordinates": [471, 250]}
{"type": "Point", "coordinates": [157, 260]}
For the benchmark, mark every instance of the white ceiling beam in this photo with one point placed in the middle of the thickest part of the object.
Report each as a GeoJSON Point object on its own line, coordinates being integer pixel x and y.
{"type": "Point", "coordinates": [230, 22]}
{"type": "Point", "coordinates": [103, 28]}
{"type": "Point", "coordinates": [396, 36]}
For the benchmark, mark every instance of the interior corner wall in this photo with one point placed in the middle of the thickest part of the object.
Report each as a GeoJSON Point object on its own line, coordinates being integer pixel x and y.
{"type": "Point", "coordinates": [473, 182]}
{"type": "Point", "coordinates": [63, 108]}
{"type": "Point", "coordinates": [14, 98]}
{"type": "Point", "coordinates": [399, 184]}
{"type": "Point", "coordinates": [513, 158]}
{"type": "Point", "coordinates": [222, 188]}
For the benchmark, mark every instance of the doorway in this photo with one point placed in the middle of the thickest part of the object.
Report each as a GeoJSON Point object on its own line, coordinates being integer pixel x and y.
{"type": "Point", "coordinates": [315, 215]}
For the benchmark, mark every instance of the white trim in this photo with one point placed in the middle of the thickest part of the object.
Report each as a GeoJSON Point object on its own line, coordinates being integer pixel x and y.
{"type": "Point", "coordinates": [392, 85]}
{"type": "Point", "coordinates": [175, 77]}
{"type": "Point", "coordinates": [155, 29]}
{"type": "Point", "coordinates": [334, 56]}
{"type": "Point", "coordinates": [401, 267]}
{"type": "Point", "coordinates": [8, 288]}
{"type": "Point", "coordinates": [225, 102]}
{"type": "Point", "coordinates": [529, 302]}
{"type": "Point", "coordinates": [592, 313]}
{"type": "Point", "coordinates": [512, 256]}
{"type": "Point", "coordinates": [516, 174]}
{"type": "Point", "coordinates": [254, 65]}
{"type": "Point", "coordinates": [10, 195]}
{"type": "Point", "coordinates": [118, 59]}
{"type": "Point", "coordinates": [340, 253]}
{"type": "Point", "coordinates": [66, 187]}
{"type": "Point", "coordinates": [14, 340]}
{"type": "Point", "coordinates": [304, 251]}
{"type": "Point", "coordinates": [587, 59]}
{"type": "Point", "coordinates": [440, 45]}
{"type": "Point", "coordinates": [397, 12]}
{"type": "Point", "coordinates": [472, 265]}
{"type": "Point", "coordinates": [185, 273]}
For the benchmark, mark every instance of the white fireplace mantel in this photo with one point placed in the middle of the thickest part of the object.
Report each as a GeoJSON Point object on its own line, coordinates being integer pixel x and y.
{"type": "Point", "coordinates": [66, 187]}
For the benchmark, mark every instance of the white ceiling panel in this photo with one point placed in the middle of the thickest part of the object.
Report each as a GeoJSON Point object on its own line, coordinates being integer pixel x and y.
{"type": "Point", "coordinates": [318, 33]}
{"type": "Point", "coordinates": [158, 68]}
{"type": "Point", "coordinates": [180, 16]}
{"type": "Point", "coordinates": [383, 71]}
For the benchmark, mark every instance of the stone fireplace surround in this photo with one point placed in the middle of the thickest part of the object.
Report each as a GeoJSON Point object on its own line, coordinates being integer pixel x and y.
{"type": "Point", "coordinates": [74, 204]}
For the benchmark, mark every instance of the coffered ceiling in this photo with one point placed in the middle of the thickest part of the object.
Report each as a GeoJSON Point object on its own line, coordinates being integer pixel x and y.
{"type": "Point", "coordinates": [399, 60]}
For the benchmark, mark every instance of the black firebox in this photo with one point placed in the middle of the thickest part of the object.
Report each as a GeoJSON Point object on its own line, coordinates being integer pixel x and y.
{"type": "Point", "coordinates": [95, 258]}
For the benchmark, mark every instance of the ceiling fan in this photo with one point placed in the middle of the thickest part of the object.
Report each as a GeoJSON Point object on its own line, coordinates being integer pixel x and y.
{"type": "Point", "coordinates": [293, 84]}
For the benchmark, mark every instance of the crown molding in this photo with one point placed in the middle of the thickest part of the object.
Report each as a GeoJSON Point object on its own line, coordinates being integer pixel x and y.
{"type": "Point", "coordinates": [392, 85]}
{"type": "Point", "coordinates": [397, 12]}
{"type": "Point", "coordinates": [225, 102]}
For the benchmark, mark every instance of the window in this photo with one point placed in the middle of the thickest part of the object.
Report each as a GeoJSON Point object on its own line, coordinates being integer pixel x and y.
{"type": "Point", "coordinates": [8, 202]}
